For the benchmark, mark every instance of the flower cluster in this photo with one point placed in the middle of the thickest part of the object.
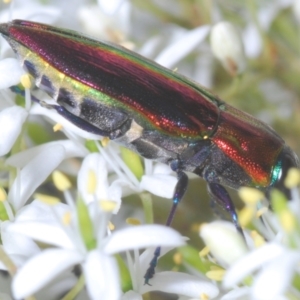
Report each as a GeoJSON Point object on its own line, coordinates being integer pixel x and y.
{"type": "Point", "coordinates": [62, 225]}
{"type": "Point", "coordinates": [268, 267]}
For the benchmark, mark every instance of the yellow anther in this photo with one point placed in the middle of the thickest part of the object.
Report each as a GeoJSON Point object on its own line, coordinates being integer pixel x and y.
{"type": "Point", "coordinates": [66, 218]}
{"type": "Point", "coordinates": [293, 178]}
{"type": "Point", "coordinates": [250, 195]}
{"type": "Point", "coordinates": [287, 220]}
{"type": "Point", "coordinates": [61, 181]}
{"type": "Point", "coordinates": [111, 226]}
{"type": "Point", "coordinates": [57, 127]}
{"type": "Point", "coordinates": [204, 296]}
{"type": "Point", "coordinates": [107, 205]}
{"type": "Point", "coordinates": [133, 221]}
{"type": "Point", "coordinates": [92, 182]}
{"type": "Point", "coordinates": [50, 200]}
{"type": "Point", "coordinates": [25, 81]}
{"type": "Point", "coordinates": [216, 275]}
{"type": "Point", "coordinates": [3, 195]}
{"type": "Point", "coordinates": [105, 141]}
{"type": "Point", "coordinates": [177, 258]}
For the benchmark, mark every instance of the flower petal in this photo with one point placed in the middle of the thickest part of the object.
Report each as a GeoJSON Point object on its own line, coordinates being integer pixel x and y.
{"type": "Point", "coordinates": [251, 262]}
{"type": "Point", "coordinates": [10, 72]}
{"type": "Point", "coordinates": [42, 232]}
{"type": "Point", "coordinates": [160, 185]}
{"type": "Point", "coordinates": [181, 284]}
{"type": "Point", "coordinates": [131, 295]}
{"type": "Point", "coordinates": [34, 173]}
{"type": "Point", "coordinates": [102, 276]}
{"type": "Point", "coordinates": [11, 121]}
{"type": "Point", "coordinates": [280, 271]}
{"type": "Point", "coordinates": [142, 236]}
{"type": "Point", "coordinates": [20, 159]}
{"type": "Point", "coordinates": [41, 212]}
{"type": "Point", "coordinates": [16, 243]}
{"type": "Point", "coordinates": [41, 269]}
{"type": "Point", "coordinates": [182, 47]}
{"type": "Point", "coordinates": [237, 294]}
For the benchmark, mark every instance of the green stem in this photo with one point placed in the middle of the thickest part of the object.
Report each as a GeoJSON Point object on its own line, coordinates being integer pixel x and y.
{"type": "Point", "coordinates": [148, 207]}
{"type": "Point", "coordinates": [77, 288]}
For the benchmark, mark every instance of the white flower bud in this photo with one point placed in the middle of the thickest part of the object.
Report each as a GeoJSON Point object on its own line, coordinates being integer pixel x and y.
{"type": "Point", "coordinates": [296, 10]}
{"type": "Point", "coordinates": [224, 242]}
{"type": "Point", "coordinates": [227, 46]}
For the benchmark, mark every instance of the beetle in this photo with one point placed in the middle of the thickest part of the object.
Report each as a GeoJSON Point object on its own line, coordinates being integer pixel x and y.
{"type": "Point", "coordinates": [113, 92]}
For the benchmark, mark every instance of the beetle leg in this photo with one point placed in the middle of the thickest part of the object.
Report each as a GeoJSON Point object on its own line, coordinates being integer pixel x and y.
{"type": "Point", "coordinates": [219, 195]}
{"type": "Point", "coordinates": [179, 192]}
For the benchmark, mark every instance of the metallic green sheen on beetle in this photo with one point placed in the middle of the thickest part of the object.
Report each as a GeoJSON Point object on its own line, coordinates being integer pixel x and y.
{"type": "Point", "coordinates": [110, 91]}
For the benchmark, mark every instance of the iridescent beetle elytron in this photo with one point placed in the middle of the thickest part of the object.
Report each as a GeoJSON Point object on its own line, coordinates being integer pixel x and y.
{"type": "Point", "coordinates": [113, 92]}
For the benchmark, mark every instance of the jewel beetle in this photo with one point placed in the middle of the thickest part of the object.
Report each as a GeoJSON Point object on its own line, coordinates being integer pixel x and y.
{"type": "Point", "coordinates": [113, 92]}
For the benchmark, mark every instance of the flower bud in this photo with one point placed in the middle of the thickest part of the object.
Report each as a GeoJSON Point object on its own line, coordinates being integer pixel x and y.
{"type": "Point", "coordinates": [227, 47]}
{"type": "Point", "coordinates": [296, 10]}
{"type": "Point", "coordinates": [224, 242]}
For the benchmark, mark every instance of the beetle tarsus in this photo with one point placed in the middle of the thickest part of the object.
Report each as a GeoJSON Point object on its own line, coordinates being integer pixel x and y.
{"type": "Point", "coordinates": [179, 192]}
{"type": "Point", "coordinates": [153, 263]}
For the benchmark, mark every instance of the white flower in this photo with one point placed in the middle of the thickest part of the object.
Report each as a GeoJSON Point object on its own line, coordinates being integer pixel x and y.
{"type": "Point", "coordinates": [35, 165]}
{"type": "Point", "coordinates": [50, 263]}
{"type": "Point", "coordinates": [276, 266]}
{"type": "Point", "coordinates": [227, 46]}
{"type": "Point", "coordinates": [81, 234]}
{"type": "Point", "coordinates": [94, 168]}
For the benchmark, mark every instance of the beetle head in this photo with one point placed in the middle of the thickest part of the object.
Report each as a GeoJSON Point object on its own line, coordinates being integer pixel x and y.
{"type": "Point", "coordinates": [287, 159]}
